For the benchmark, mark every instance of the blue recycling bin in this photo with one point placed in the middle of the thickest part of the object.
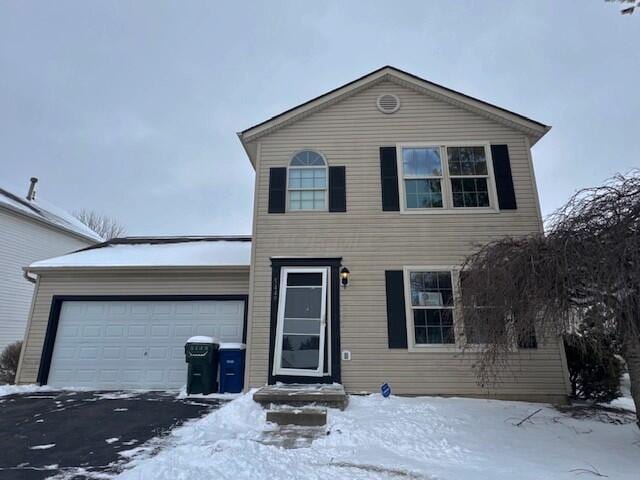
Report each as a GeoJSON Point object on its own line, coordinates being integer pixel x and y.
{"type": "Point", "coordinates": [231, 357]}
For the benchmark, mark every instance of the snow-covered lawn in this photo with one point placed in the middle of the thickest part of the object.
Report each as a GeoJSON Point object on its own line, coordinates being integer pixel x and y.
{"type": "Point", "coordinates": [415, 438]}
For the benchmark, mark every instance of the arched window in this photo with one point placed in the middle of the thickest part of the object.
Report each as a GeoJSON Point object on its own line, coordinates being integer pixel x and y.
{"type": "Point", "coordinates": [307, 182]}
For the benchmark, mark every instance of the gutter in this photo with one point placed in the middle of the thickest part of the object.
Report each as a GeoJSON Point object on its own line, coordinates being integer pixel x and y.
{"type": "Point", "coordinates": [29, 278]}
{"type": "Point", "coordinates": [125, 268]}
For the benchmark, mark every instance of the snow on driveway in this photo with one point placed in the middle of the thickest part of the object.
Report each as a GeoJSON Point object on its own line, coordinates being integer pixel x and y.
{"type": "Point", "coordinates": [415, 438]}
{"type": "Point", "coordinates": [6, 390]}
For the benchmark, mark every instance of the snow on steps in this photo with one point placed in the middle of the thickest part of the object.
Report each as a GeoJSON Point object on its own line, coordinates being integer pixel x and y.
{"type": "Point", "coordinates": [300, 395]}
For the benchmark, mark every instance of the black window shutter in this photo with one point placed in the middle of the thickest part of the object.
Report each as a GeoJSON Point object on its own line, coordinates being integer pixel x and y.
{"type": "Point", "coordinates": [389, 179]}
{"type": "Point", "coordinates": [277, 189]}
{"type": "Point", "coordinates": [337, 190]}
{"type": "Point", "coordinates": [504, 181]}
{"type": "Point", "coordinates": [396, 317]}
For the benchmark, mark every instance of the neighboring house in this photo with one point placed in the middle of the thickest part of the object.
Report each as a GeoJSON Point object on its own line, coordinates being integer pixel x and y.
{"type": "Point", "coordinates": [30, 230]}
{"type": "Point", "coordinates": [386, 183]}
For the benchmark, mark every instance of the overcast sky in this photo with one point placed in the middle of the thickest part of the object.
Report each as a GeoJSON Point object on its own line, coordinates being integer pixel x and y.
{"type": "Point", "coordinates": [132, 108]}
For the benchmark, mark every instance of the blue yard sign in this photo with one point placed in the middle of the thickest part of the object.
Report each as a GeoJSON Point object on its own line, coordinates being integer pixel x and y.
{"type": "Point", "coordinates": [385, 389]}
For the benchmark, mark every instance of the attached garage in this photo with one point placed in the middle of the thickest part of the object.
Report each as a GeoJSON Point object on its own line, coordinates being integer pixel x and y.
{"type": "Point", "coordinates": [135, 343]}
{"type": "Point", "coordinates": [118, 316]}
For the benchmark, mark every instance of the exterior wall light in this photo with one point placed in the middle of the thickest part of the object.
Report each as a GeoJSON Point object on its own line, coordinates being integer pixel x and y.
{"type": "Point", "coordinates": [345, 276]}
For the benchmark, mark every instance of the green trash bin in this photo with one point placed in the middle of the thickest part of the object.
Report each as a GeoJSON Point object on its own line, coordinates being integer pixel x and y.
{"type": "Point", "coordinates": [201, 353]}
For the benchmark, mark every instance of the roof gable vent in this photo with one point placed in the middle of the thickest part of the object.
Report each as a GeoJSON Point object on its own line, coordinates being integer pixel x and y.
{"type": "Point", "coordinates": [388, 103]}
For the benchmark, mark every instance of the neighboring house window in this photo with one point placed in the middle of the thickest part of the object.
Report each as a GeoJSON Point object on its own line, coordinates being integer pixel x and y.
{"type": "Point", "coordinates": [307, 181]}
{"type": "Point", "coordinates": [430, 306]}
{"type": "Point", "coordinates": [446, 177]}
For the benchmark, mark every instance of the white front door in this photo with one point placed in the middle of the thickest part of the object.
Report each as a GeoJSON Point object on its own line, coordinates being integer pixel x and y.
{"type": "Point", "coordinates": [135, 344]}
{"type": "Point", "coordinates": [302, 321]}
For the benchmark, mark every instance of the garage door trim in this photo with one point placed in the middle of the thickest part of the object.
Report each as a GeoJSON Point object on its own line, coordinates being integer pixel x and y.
{"type": "Point", "coordinates": [58, 300]}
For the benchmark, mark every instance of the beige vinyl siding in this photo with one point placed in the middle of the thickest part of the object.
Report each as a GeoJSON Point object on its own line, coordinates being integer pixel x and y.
{"type": "Point", "coordinates": [371, 241]}
{"type": "Point", "coordinates": [150, 282]}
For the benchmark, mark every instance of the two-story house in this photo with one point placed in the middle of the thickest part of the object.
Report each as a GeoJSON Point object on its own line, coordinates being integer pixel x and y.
{"type": "Point", "coordinates": [367, 200]}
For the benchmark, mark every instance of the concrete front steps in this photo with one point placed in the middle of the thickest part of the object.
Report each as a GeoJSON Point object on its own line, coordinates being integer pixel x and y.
{"type": "Point", "coordinates": [301, 416]}
{"type": "Point", "coordinates": [301, 404]}
{"type": "Point", "coordinates": [300, 395]}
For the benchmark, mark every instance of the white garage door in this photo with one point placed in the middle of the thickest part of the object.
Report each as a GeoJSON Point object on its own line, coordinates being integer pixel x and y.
{"type": "Point", "coordinates": [135, 344]}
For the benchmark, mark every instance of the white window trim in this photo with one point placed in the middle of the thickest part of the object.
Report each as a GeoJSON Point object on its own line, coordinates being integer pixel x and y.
{"type": "Point", "coordinates": [326, 188]}
{"type": "Point", "coordinates": [447, 194]}
{"type": "Point", "coordinates": [411, 334]}
{"type": "Point", "coordinates": [325, 313]}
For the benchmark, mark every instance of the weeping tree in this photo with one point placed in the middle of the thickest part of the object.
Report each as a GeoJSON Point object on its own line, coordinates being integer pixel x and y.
{"type": "Point", "coordinates": [587, 261]}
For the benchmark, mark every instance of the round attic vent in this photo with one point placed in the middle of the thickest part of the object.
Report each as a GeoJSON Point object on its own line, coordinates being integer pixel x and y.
{"type": "Point", "coordinates": [388, 103]}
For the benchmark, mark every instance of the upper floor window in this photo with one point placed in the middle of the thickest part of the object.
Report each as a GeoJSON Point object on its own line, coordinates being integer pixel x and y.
{"type": "Point", "coordinates": [469, 176]}
{"type": "Point", "coordinates": [422, 173]}
{"type": "Point", "coordinates": [442, 177]}
{"type": "Point", "coordinates": [307, 181]}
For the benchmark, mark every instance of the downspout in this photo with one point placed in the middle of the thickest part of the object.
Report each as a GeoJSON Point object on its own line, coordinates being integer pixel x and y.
{"type": "Point", "coordinates": [36, 281]}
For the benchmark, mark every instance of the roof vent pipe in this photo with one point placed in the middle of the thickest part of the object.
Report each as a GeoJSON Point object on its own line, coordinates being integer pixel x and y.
{"type": "Point", "coordinates": [32, 189]}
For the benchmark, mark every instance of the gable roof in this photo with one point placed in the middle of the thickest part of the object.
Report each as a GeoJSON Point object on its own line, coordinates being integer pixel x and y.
{"type": "Point", "coordinates": [231, 251]}
{"type": "Point", "coordinates": [48, 214]}
{"type": "Point", "coordinates": [532, 128]}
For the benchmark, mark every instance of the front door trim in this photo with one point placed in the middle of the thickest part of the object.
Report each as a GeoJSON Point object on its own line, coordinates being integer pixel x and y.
{"type": "Point", "coordinates": [332, 372]}
{"type": "Point", "coordinates": [278, 369]}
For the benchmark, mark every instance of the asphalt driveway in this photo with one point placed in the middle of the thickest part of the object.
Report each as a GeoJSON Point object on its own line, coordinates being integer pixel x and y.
{"type": "Point", "coordinates": [75, 434]}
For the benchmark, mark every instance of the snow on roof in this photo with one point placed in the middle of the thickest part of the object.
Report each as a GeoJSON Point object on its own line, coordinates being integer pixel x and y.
{"type": "Point", "coordinates": [135, 252]}
{"type": "Point", "coordinates": [47, 213]}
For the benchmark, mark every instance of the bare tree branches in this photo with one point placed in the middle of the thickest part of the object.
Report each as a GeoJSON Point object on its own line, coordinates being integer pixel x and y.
{"type": "Point", "coordinates": [589, 261]}
{"type": "Point", "coordinates": [103, 225]}
{"type": "Point", "coordinates": [630, 7]}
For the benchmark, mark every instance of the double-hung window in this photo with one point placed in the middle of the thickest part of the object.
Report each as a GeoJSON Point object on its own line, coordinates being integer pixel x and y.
{"type": "Point", "coordinates": [437, 178]}
{"type": "Point", "coordinates": [430, 306]}
{"type": "Point", "coordinates": [469, 176]}
{"type": "Point", "coordinates": [307, 182]}
{"type": "Point", "coordinates": [422, 174]}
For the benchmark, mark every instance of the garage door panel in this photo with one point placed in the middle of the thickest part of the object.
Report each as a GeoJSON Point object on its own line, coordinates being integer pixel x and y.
{"type": "Point", "coordinates": [92, 331]}
{"type": "Point", "coordinates": [114, 331]}
{"type": "Point", "coordinates": [109, 376]}
{"type": "Point", "coordinates": [132, 377]}
{"type": "Point", "coordinates": [159, 353]}
{"type": "Point", "coordinates": [134, 353]}
{"type": "Point", "coordinates": [175, 375]}
{"type": "Point", "coordinates": [111, 353]}
{"type": "Point", "coordinates": [69, 330]}
{"type": "Point", "coordinates": [88, 353]}
{"type": "Point", "coordinates": [130, 344]}
{"type": "Point", "coordinates": [185, 309]}
{"type": "Point", "coordinates": [139, 330]}
{"type": "Point", "coordinates": [183, 330]}
{"type": "Point", "coordinates": [162, 331]}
